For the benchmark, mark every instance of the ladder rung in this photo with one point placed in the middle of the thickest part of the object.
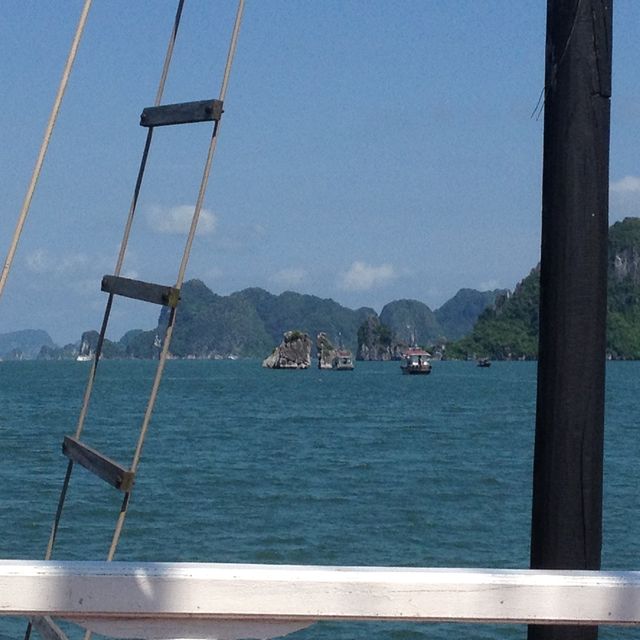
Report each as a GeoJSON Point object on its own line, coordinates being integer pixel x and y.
{"type": "Point", "coordinates": [47, 628]}
{"type": "Point", "coordinates": [183, 113]}
{"type": "Point", "coordinates": [105, 468]}
{"type": "Point", "coordinates": [147, 291]}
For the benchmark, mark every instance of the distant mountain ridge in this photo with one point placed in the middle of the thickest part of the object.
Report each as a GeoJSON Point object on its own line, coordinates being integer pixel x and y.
{"type": "Point", "coordinates": [25, 344]}
{"type": "Point", "coordinates": [411, 322]}
{"type": "Point", "coordinates": [458, 315]}
{"type": "Point", "coordinates": [509, 330]}
{"type": "Point", "coordinates": [252, 321]}
{"type": "Point", "coordinates": [249, 323]}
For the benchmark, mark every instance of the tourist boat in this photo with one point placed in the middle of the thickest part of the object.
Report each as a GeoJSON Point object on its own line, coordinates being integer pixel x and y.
{"type": "Point", "coordinates": [416, 361]}
{"type": "Point", "coordinates": [484, 362]}
{"type": "Point", "coordinates": [342, 361]}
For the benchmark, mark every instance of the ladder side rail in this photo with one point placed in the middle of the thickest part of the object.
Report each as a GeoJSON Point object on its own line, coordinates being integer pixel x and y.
{"type": "Point", "coordinates": [143, 431]}
{"type": "Point", "coordinates": [212, 145]}
{"type": "Point", "coordinates": [120, 260]}
{"type": "Point", "coordinates": [179, 280]}
{"type": "Point", "coordinates": [39, 624]}
{"type": "Point", "coordinates": [129, 222]}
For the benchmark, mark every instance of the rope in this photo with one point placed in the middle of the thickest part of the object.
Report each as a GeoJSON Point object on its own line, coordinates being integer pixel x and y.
{"type": "Point", "coordinates": [185, 258]}
{"type": "Point", "coordinates": [94, 365]}
{"type": "Point", "coordinates": [26, 204]}
{"type": "Point", "coordinates": [147, 146]}
{"type": "Point", "coordinates": [212, 146]}
{"type": "Point", "coordinates": [117, 270]}
{"type": "Point", "coordinates": [189, 243]}
{"type": "Point", "coordinates": [127, 229]}
{"type": "Point", "coordinates": [24, 212]}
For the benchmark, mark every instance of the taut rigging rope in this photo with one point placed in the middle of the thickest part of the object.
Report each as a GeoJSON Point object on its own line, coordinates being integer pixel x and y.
{"type": "Point", "coordinates": [24, 212]}
{"type": "Point", "coordinates": [185, 259]}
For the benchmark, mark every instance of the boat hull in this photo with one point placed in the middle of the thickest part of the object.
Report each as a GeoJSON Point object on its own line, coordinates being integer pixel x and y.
{"type": "Point", "coordinates": [414, 371]}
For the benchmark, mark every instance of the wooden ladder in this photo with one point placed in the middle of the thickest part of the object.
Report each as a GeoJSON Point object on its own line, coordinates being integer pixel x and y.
{"type": "Point", "coordinates": [117, 475]}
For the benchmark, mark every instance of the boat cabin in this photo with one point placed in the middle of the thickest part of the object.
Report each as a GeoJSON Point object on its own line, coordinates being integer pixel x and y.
{"type": "Point", "coordinates": [342, 361]}
{"type": "Point", "coordinates": [416, 361]}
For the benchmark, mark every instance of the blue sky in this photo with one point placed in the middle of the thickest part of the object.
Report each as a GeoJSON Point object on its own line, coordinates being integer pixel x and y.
{"type": "Point", "coordinates": [369, 151]}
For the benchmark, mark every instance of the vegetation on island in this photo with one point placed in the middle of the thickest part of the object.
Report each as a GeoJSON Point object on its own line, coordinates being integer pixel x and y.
{"type": "Point", "coordinates": [509, 329]}
{"type": "Point", "coordinates": [623, 299]}
{"type": "Point", "coordinates": [410, 321]}
{"type": "Point", "coordinates": [458, 316]}
{"type": "Point", "coordinates": [375, 340]}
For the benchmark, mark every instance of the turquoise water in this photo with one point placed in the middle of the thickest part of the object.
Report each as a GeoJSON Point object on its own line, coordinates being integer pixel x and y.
{"type": "Point", "coordinates": [244, 464]}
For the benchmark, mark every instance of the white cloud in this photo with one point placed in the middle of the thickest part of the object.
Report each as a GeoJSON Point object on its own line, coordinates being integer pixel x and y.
{"type": "Point", "coordinates": [74, 263]}
{"type": "Point", "coordinates": [86, 287]}
{"type": "Point", "coordinates": [132, 274]}
{"type": "Point", "coordinates": [289, 277]}
{"type": "Point", "coordinates": [177, 220]}
{"type": "Point", "coordinates": [362, 276]}
{"type": "Point", "coordinates": [628, 184]}
{"type": "Point", "coordinates": [38, 261]}
{"type": "Point", "coordinates": [43, 261]}
{"type": "Point", "coordinates": [76, 272]}
{"type": "Point", "coordinates": [625, 197]}
{"type": "Point", "coordinates": [213, 273]}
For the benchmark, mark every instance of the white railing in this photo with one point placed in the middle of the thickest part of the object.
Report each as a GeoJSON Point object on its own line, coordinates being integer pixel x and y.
{"type": "Point", "coordinates": [164, 600]}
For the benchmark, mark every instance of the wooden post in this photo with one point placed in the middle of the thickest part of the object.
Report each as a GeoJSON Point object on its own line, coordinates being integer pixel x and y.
{"type": "Point", "coordinates": [567, 476]}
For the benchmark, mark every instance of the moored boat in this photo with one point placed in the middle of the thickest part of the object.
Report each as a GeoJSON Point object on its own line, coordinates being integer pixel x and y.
{"type": "Point", "coordinates": [342, 361]}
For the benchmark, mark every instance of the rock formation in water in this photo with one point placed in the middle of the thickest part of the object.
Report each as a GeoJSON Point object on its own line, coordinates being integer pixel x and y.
{"type": "Point", "coordinates": [88, 344]}
{"type": "Point", "coordinates": [294, 352]}
{"type": "Point", "coordinates": [326, 351]}
{"type": "Point", "coordinates": [375, 341]}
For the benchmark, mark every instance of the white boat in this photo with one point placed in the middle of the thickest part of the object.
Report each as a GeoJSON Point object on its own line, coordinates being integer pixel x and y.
{"type": "Point", "coordinates": [342, 361]}
{"type": "Point", "coordinates": [416, 361]}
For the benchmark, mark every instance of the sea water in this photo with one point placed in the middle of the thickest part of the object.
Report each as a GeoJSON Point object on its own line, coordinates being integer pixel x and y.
{"type": "Point", "coordinates": [244, 464]}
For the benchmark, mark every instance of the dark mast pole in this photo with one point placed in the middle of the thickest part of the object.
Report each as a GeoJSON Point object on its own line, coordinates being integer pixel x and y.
{"type": "Point", "coordinates": [567, 475]}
